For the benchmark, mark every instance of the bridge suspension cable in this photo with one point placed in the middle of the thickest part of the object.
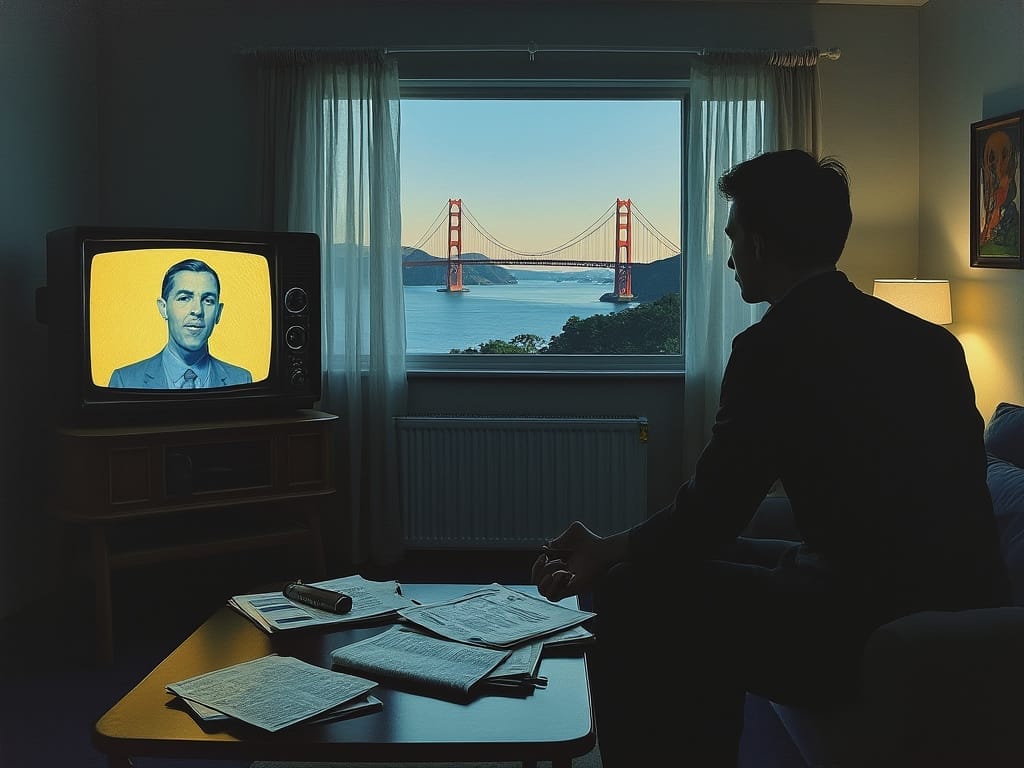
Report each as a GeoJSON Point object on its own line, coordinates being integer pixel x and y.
{"type": "Point", "coordinates": [435, 226]}
{"type": "Point", "coordinates": [654, 230]}
{"type": "Point", "coordinates": [601, 221]}
{"type": "Point", "coordinates": [594, 246]}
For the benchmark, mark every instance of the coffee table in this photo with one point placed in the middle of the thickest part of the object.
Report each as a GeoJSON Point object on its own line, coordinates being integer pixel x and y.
{"type": "Point", "coordinates": [553, 723]}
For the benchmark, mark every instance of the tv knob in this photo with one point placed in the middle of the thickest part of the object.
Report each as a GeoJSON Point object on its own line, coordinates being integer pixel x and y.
{"type": "Point", "coordinates": [295, 337]}
{"type": "Point", "coordinates": [295, 299]}
{"type": "Point", "coordinates": [298, 377]}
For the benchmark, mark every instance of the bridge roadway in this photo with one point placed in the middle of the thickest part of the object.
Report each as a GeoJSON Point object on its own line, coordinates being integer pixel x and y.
{"type": "Point", "coordinates": [540, 262]}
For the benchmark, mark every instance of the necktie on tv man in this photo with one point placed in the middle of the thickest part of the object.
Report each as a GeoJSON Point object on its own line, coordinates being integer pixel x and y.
{"type": "Point", "coordinates": [190, 379]}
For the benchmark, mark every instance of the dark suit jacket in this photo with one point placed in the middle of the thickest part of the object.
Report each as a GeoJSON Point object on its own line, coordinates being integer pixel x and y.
{"type": "Point", "coordinates": [867, 415]}
{"type": "Point", "coordinates": [149, 374]}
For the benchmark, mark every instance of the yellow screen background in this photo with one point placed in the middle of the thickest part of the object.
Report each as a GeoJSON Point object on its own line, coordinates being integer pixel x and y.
{"type": "Point", "coordinates": [125, 325]}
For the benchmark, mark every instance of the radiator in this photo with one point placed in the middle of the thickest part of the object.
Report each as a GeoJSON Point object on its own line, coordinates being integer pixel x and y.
{"type": "Point", "coordinates": [510, 482]}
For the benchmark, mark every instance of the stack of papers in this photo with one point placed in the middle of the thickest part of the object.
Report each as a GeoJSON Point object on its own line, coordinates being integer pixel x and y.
{"type": "Point", "coordinates": [432, 665]}
{"type": "Point", "coordinates": [486, 641]}
{"type": "Point", "coordinates": [494, 616]}
{"type": "Point", "coordinates": [361, 706]}
{"type": "Point", "coordinates": [371, 601]}
{"type": "Point", "coordinates": [273, 692]}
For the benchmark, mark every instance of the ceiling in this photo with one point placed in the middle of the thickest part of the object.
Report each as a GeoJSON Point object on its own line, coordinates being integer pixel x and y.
{"type": "Point", "coordinates": [910, 3]}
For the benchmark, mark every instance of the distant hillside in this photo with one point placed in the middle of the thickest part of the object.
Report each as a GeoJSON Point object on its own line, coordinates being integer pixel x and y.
{"type": "Point", "coordinates": [652, 281]}
{"type": "Point", "coordinates": [577, 276]}
{"type": "Point", "coordinates": [484, 274]}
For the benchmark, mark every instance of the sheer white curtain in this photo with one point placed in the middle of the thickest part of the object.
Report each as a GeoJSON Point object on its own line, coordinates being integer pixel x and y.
{"type": "Point", "coordinates": [741, 104]}
{"type": "Point", "coordinates": [331, 166]}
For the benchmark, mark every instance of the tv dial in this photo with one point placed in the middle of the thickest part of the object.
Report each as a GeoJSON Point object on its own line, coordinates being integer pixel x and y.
{"type": "Point", "coordinates": [295, 337]}
{"type": "Point", "coordinates": [296, 300]}
{"type": "Point", "coordinates": [298, 377]}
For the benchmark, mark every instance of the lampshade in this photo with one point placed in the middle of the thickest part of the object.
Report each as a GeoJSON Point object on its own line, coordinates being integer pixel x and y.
{"type": "Point", "coordinates": [928, 299]}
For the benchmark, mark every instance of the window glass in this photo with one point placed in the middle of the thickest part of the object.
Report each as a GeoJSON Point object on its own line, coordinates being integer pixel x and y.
{"type": "Point", "coordinates": [542, 232]}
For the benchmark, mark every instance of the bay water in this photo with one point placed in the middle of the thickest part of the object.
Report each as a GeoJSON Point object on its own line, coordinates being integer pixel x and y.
{"type": "Point", "coordinates": [437, 321]}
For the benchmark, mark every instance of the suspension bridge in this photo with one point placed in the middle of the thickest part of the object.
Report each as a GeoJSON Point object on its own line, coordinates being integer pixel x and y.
{"type": "Point", "coordinates": [620, 238]}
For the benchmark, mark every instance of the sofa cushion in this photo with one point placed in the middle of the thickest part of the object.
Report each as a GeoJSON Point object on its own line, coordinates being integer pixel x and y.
{"type": "Point", "coordinates": [1004, 433]}
{"type": "Point", "coordinates": [1006, 483]}
{"type": "Point", "coordinates": [1004, 441]}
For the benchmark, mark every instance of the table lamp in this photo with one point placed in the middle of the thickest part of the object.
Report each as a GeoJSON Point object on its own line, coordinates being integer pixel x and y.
{"type": "Point", "coordinates": [928, 299]}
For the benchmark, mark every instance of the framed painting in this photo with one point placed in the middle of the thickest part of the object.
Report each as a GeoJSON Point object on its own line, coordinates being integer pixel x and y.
{"type": "Point", "coordinates": [995, 192]}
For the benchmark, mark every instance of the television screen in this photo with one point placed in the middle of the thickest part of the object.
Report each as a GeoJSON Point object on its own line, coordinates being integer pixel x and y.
{"type": "Point", "coordinates": [181, 324]}
{"type": "Point", "coordinates": [157, 313]}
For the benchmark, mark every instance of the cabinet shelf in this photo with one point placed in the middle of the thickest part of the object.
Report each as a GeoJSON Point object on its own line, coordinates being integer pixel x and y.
{"type": "Point", "coordinates": [169, 492]}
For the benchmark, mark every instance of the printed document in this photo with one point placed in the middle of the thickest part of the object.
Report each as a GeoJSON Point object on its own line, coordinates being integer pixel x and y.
{"type": "Point", "coordinates": [272, 692]}
{"type": "Point", "coordinates": [371, 600]}
{"type": "Point", "coordinates": [360, 706]}
{"type": "Point", "coordinates": [494, 616]}
{"type": "Point", "coordinates": [404, 655]}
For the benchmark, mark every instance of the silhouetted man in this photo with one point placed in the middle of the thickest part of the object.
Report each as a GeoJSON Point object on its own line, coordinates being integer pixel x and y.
{"type": "Point", "coordinates": [867, 415]}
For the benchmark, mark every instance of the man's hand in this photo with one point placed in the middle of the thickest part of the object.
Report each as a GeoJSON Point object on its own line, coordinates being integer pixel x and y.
{"type": "Point", "coordinates": [569, 563]}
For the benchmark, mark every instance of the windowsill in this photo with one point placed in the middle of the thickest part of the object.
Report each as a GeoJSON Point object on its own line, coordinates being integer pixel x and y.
{"type": "Point", "coordinates": [503, 366]}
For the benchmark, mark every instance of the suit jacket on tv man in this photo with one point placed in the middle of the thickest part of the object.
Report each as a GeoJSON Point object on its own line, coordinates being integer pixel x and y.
{"type": "Point", "coordinates": [149, 374]}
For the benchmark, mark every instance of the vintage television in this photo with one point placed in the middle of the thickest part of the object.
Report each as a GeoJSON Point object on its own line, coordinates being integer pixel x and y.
{"type": "Point", "coordinates": [118, 347]}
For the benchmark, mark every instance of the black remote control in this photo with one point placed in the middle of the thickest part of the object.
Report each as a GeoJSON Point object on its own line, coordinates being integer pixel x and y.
{"type": "Point", "coordinates": [318, 597]}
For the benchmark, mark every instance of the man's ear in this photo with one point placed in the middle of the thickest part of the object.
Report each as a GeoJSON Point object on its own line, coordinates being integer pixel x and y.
{"type": "Point", "coordinates": [216, 315]}
{"type": "Point", "coordinates": [161, 307]}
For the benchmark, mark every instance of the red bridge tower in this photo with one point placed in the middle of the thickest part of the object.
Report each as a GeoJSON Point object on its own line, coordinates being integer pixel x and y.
{"type": "Point", "coordinates": [623, 251]}
{"type": "Point", "coordinates": [454, 277]}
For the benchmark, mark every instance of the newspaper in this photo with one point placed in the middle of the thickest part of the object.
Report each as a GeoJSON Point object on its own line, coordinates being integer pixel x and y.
{"type": "Point", "coordinates": [520, 668]}
{"type": "Point", "coordinates": [494, 616]}
{"type": "Point", "coordinates": [371, 600]}
{"type": "Point", "coordinates": [569, 638]}
{"type": "Point", "coordinates": [272, 692]}
{"type": "Point", "coordinates": [432, 665]}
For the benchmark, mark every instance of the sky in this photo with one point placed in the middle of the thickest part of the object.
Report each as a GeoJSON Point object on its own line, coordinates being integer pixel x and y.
{"type": "Point", "coordinates": [535, 173]}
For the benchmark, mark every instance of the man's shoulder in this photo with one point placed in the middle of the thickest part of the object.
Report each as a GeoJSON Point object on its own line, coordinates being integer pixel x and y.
{"type": "Point", "coordinates": [139, 366]}
{"type": "Point", "coordinates": [135, 374]}
{"type": "Point", "coordinates": [227, 373]}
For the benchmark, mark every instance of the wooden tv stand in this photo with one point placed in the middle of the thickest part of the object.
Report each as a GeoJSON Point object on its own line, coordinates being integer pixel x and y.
{"type": "Point", "coordinates": [108, 477]}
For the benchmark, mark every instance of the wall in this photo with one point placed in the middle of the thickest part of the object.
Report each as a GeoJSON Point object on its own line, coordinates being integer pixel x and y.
{"type": "Point", "coordinates": [48, 157]}
{"type": "Point", "coordinates": [176, 105]}
{"type": "Point", "coordinates": [971, 54]}
{"type": "Point", "coordinates": [176, 145]}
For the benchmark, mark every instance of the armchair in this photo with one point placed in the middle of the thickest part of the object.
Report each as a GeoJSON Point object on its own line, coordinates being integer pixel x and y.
{"type": "Point", "coordinates": [939, 688]}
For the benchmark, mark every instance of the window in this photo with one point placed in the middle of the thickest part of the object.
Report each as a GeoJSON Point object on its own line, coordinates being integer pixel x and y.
{"type": "Point", "coordinates": [541, 227]}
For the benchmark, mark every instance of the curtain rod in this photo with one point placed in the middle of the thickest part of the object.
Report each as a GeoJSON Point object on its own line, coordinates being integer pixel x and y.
{"type": "Point", "coordinates": [532, 49]}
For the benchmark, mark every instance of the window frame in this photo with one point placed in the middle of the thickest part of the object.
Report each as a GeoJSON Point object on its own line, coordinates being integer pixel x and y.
{"type": "Point", "coordinates": [668, 89]}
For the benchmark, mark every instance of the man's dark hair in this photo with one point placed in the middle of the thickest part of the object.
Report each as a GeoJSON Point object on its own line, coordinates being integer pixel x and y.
{"type": "Point", "coordinates": [188, 265]}
{"type": "Point", "coordinates": [799, 204]}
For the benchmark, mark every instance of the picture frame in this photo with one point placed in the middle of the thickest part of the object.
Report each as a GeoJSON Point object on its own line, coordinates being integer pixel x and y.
{"type": "Point", "coordinates": [996, 191]}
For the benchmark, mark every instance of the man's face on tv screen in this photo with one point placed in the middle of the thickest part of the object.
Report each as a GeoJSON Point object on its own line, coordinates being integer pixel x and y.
{"type": "Point", "coordinates": [191, 309]}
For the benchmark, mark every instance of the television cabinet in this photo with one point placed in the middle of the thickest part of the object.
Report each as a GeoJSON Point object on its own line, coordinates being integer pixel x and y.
{"type": "Point", "coordinates": [186, 479]}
